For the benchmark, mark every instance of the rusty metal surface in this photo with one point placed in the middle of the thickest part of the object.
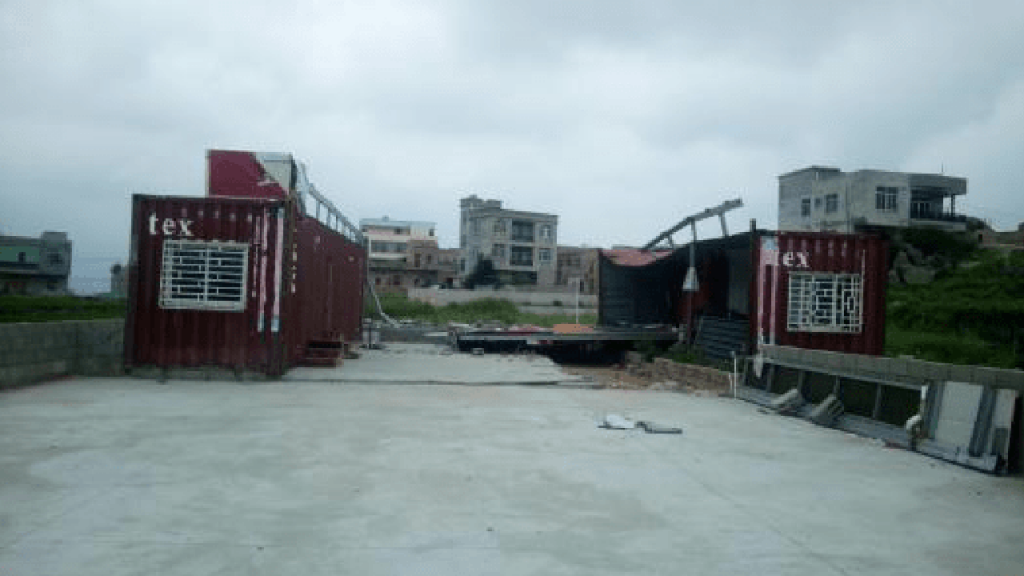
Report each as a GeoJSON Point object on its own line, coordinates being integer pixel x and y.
{"type": "Point", "coordinates": [632, 257]}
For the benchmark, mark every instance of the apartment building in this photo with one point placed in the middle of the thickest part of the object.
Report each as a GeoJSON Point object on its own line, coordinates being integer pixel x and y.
{"type": "Point", "coordinates": [577, 264]}
{"type": "Point", "coordinates": [521, 245]}
{"type": "Point", "coordinates": [820, 198]}
{"type": "Point", "coordinates": [35, 266]}
{"type": "Point", "coordinates": [404, 254]}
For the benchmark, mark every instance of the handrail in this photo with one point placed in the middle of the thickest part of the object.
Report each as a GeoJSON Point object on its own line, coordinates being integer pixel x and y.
{"type": "Point", "coordinates": [332, 217]}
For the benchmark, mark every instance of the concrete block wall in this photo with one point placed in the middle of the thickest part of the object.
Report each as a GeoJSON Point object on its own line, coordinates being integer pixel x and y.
{"type": "Point", "coordinates": [32, 352]}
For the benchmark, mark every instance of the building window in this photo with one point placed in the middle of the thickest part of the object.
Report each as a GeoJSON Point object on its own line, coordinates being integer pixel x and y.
{"type": "Point", "coordinates": [198, 275]}
{"type": "Point", "coordinates": [544, 255]}
{"type": "Point", "coordinates": [522, 231]}
{"type": "Point", "coordinates": [520, 255]}
{"type": "Point", "coordinates": [824, 302]}
{"type": "Point", "coordinates": [416, 260]}
{"type": "Point", "coordinates": [498, 251]}
{"type": "Point", "coordinates": [805, 207]}
{"type": "Point", "coordinates": [831, 203]}
{"type": "Point", "coordinates": [886, 198]}
{"type": "Point", "coordinates": [545, 231]}
{"type": "Point", "coordinates": [476, 227]}
{"type": "Point", "coordinates": [499, 227]}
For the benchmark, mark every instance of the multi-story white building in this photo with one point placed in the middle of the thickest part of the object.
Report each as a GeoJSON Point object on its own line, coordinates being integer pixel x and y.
{"type": "Point", "coordinates": [403, 254]}
{"type": "Point", "coordinates": [820, 198]}
{"type": "Point", "coordinates": [521, 245]}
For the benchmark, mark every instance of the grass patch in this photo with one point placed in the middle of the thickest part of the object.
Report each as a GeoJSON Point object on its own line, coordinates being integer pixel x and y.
{"type": "Point", "coordinates": [972, 315]}
{"type": "Point", "coordinates": [399, 307]}
{"type": "Point", "coordinates": [58, 308]}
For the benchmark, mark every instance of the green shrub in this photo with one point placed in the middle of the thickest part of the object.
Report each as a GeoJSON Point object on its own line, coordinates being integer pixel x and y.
{"type": "Point", "coordinates": [972, 315]}
{"type": "Point", "coordinates": [948, 348]}
{"type": "Point", "coordinates": [954, 245]}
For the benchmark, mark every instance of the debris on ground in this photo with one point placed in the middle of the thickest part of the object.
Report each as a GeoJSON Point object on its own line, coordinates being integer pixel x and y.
{"type": "Point", "coordinates": [616, 422]}
{"type": "Point", "coordinates": [652, 428]}
{"type": "Point", "coordinates": [698, 380]}
{"type": "Point", "coordinates": [789, 403]}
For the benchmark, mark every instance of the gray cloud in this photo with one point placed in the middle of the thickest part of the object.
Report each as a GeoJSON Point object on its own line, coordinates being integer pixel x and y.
{"type": "Point", "coordinates": [620, 117]}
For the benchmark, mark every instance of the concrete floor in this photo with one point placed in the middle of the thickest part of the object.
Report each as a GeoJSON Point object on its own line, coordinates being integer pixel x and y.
{"type": "Point", "coordinates": [435, 364]}
{"type": "Point", "coordinates": [121, 476]}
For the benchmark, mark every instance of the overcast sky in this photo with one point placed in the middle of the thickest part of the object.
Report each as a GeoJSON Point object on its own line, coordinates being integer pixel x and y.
{"type": "Point", "coordinates": [620, 117]}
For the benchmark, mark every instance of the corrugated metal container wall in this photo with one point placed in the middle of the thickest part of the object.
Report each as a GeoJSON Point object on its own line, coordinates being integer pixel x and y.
{"type": "Point", "coordinates": [822, 291]}
{"type": "Point", "coordinates": [204, 283]}
{"type": "Point", "coordinates": [327, 287]}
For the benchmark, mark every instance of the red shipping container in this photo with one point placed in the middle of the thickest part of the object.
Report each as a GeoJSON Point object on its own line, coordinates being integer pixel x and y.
{"type": "Point", "coordinates": [245, 278]}
{"type": "Point", "coordinates": [821, 291]}
{"type": "Point", "coordinates": [812, 290]}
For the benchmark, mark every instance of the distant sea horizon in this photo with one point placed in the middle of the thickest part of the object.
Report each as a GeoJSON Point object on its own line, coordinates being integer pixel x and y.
{"type": "Point", "coordinates": [91, 274]}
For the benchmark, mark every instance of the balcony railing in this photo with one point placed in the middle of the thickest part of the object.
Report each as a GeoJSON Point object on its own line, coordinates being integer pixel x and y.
{"type": "Point", "coordinates": [935, 215]}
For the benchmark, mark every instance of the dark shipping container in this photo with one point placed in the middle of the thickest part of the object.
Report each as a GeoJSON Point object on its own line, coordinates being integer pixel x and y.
{"type": "Point", "coordinates": [813, 290]}
{"type": "Point", "coordinates": [247, 278]}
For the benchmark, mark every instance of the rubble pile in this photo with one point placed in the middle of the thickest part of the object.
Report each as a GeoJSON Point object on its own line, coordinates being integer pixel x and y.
{"type": "Point", "coordinates": [661, 374]}
{"type": "Point", "coordinates": [692, 375]}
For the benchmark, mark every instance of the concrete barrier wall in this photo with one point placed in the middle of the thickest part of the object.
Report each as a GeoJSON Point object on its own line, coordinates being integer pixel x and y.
{"type": "Point", "coordinates": [520, 298]}
{"type": "Point", "coordinates": [899, 369]}
{"type": "Point", "coordinates": [31, 352]}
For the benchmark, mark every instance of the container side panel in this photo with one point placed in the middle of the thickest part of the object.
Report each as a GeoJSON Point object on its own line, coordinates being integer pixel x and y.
{"type": "Point", "coordinates": [863, 256]}
{"type": "Point", "coordinates": [241, 175]}
{"type": "Point", "coordinates": [195, 256]}
{"type": "Point", "coordinates": [327, 287]}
